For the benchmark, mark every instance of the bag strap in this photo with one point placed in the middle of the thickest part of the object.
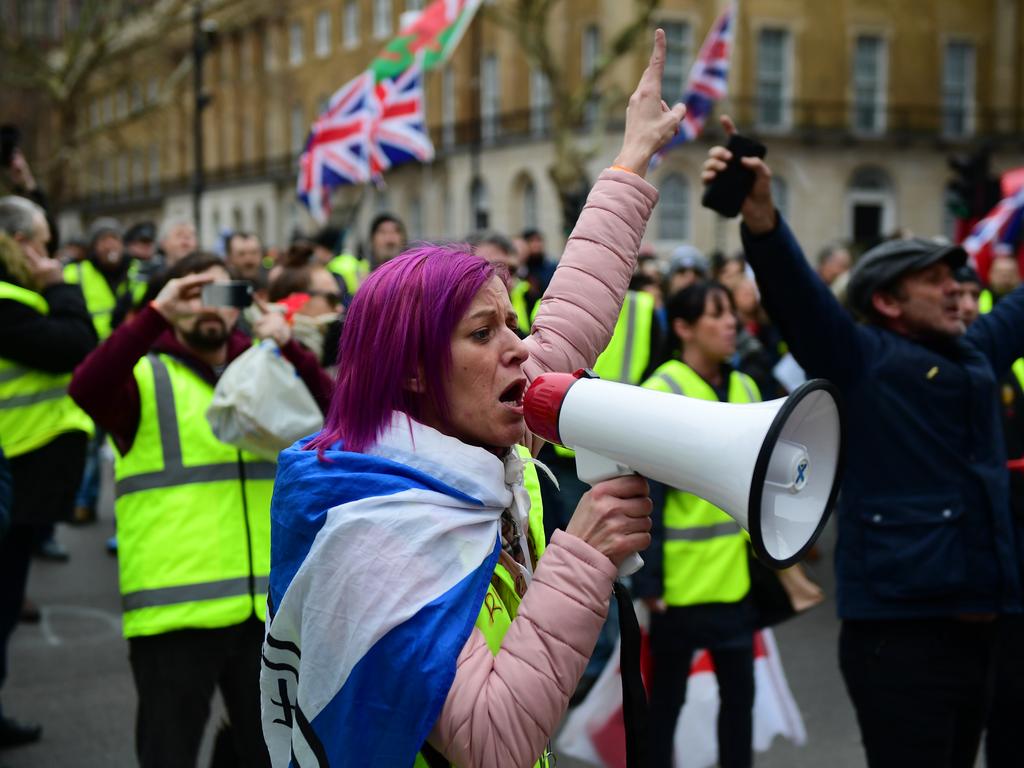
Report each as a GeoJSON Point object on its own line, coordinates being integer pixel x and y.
{"type": "Point", "coordinates": [634, 697]}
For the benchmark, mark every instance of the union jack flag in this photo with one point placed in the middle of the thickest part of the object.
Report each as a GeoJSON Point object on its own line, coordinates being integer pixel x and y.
{"type": "Point", "coordinates": [708, 82]}
{"type": "Point", "coordinates": [399, 133]}
{"type": "Point", "coordinates": [337, 149]}
{"type": "Point", "coordinates": [999, 232]}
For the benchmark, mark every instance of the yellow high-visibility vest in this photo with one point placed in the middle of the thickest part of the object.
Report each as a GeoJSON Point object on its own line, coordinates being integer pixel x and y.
{"type": "Point", "coordinates": [629, 352]}
{"type": "Point", "coordinates": [193, 513]}
{"type": "Point", "coordinates": [705, 550]}
{"type": "Point", "coordinates": [100, 300]}
{"type": "Point", "coordinates": [34, 405]}
{"type": "Point", "coordinates": [350, 269]}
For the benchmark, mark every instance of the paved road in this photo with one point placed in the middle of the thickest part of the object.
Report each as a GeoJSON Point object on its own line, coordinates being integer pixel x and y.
{"type": "Point", "coordinates": [71, 671]}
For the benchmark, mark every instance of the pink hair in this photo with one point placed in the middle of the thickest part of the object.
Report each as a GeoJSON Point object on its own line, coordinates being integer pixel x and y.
{"type": "Point", "coordinates": [399, 327]}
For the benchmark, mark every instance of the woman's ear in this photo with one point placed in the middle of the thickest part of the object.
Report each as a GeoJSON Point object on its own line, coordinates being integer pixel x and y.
{"type": "Point", "coordinates": [682, 330]}
{"type": "Point", "coordinates": [415, 383]}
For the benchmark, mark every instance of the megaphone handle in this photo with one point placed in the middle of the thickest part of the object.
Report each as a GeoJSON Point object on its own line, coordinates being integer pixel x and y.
{"type": "Point", "coordinates": [594, 468]}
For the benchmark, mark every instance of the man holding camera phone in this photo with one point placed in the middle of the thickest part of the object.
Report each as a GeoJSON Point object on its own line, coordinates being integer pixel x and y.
{"type": "Point", "coordinates": [927, 554]}
{"type": "Point", "coordinates": [193, 513]}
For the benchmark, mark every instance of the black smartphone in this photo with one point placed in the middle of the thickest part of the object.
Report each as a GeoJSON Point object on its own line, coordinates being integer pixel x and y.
{"type": "Point", "coordinates": [236, 293]}
{"type": "Point", "coordinates": [730, 188]}
{"type": "Point", "coordinates": [10, 137]}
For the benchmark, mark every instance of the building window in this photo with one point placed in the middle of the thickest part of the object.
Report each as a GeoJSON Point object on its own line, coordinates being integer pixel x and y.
{"type": "Point", "coordinates": [780, 195]}
{"type": "Point", "coordinates": [869, 84]}
{"type": "Point", "coordinates": [123, 179]}
{"type": "Point", "coordinates": [247, 57]}
{"type": "Point", "coordinates": [381, 18]}
{"type": "Point", "coordinates": [448, 108]}
{"type": "Point", "coordinates": [413, 5]}
{"type": "Point", "coordinates": [154, 169]}
{"type": "Point", "coordinates": [136, 97]}
{"type": "Point", "coordinates": [350, 31]}
{"type": "Point", "coordinates": [416, 218]}
{"type": "Point", "coordinates": [490, 99]}
{"type": "Point", "coordinates": [530, 215]}
{"type": "Point", "coordinates": [773, 79]}
{"type": "Point", "coordinates": [674, 208]}
{"type": "Point", "coordinates": [591, 50]}
{"type": "Point", "coordinates": [323, 34]}
{"type": "Point", "coordinates": [248, 141]}
{"type": "Point", "coordinates": [479, 205]}
{"type": "Point", "coordinates": [298, 129]}
{"type": "Point", "coordinates": [267, 38]}
{"type": "Point", "coordinates": [295, 47]}
{"type": "Point", "coordinates": [153, 91]}
{"type": "Point", "coordinates": [870, 207]}
{"type": "Point", "coordinates": [138, 171]}
{"type": "Point", "coordinates": [958, 90]}
{"type": "Point", "coordinates": [678, 52]}
{"type": "Point", "coordinates": [94, 114]}
{"type": "Point", "coordinates": [540, 103]}
{"type": "Point", "coordinates": [260, 223]}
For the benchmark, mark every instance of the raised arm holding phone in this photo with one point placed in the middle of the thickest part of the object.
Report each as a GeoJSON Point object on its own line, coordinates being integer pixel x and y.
{"type": "Point", "coordinates": [928, 555]}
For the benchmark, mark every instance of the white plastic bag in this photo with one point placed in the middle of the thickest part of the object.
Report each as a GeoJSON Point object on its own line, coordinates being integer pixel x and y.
{"type": "Point", "coordinates": [261, 405]}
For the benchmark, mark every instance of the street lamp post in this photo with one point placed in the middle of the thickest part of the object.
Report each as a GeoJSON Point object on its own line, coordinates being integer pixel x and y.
{"type": "Point", "coordinates": [200, 45]}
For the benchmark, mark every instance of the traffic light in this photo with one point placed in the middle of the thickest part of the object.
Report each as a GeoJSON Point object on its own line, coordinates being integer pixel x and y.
{"type": "Point", "coordinates": [974, 191]}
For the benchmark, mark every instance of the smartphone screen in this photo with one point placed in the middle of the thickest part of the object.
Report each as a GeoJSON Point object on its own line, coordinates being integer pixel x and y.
{"type": "Point", "coordinates": [236, 293]}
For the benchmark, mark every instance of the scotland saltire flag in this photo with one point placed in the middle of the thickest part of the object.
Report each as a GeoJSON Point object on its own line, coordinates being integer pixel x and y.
{"type": "Point", "coordinates": [379, 565]}
{"type": "Point", "coordinates": [337, 149]}
{"type": "Point", "coordinates": [399, 133]}
{"type": "Point", "coordinates": [999, 230]}
{"type": "Point", "coordinates": [708, 81]}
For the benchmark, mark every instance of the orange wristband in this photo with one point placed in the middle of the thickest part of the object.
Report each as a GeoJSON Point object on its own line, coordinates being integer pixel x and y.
{"type": "Point", "coordinates": [622, 168]}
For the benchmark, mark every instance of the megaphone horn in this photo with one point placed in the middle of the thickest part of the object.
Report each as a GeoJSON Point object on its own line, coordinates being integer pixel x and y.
{"type": "Point", "coordinates": [774, 467]}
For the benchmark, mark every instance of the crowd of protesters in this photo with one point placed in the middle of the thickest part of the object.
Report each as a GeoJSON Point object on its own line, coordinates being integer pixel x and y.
{"type": "Point", "coordinates": [107, 342]}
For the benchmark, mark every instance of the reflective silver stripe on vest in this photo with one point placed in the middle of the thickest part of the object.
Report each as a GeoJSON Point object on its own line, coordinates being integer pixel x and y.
{"type": "Point", "coordinates": [627, 350]}
{"type": "Point", "coordinates": [702, 533]}
{"type": "Point", "coordinates": [672, 383]}
{"type": "Point", "coordinates": [12, 373]}
{"type": "Point", "coordinates": [175, 472]}
{"type": "Point", "coordinates": [201, 473]}
{"type": "Point", "coordinates": [36, 397]}
{"type": "Point", "coordinates": [746, 387]}
{"type": "Point", "coordinates": [186, 593]}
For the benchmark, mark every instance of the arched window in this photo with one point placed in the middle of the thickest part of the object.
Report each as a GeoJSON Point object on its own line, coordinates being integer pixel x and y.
{"type": "Point", "coordinates": [870, 206]}
{"type": "Point", "coordinates": [780, 195]}
{"type": "Point", "coordinates": [479, 205]}
{"type": "Point", "coordinates": [674, 209]}
{"type": "Point", "coordinates": [260, 223]}
{"type": "Point", "coordinates": [530, 215]}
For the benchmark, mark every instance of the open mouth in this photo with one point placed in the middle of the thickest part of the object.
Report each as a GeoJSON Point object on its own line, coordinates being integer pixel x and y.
{"type": "Point", "coordinates": [513, 394]}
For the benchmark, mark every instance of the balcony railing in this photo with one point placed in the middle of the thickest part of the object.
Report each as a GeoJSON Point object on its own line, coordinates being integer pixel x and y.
{"type": "Point", "coordinates": [809, 122]}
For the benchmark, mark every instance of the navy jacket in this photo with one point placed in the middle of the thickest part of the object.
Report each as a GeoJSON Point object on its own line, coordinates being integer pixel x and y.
{"type": "Point", "coordinates": [925, 527]}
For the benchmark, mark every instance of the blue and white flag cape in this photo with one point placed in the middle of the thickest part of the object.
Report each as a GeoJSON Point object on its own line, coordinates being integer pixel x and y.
{"type": "Point", "coordinates": [379, 564]}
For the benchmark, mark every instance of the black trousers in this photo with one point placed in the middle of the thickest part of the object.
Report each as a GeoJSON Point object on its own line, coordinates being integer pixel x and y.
{"type": "Point", "coordinates": [921, 689]}
{"type": "Point", "coordinates": [44, 483]}
{"type": "Point", "coordinates": [1002, 738]}
{"type": "Point", "coordinates": [175, 675]}
{"type": "Point", "coordinates": [674, 638]}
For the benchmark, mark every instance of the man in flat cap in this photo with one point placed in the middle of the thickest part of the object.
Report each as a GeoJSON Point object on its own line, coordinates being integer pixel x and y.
{"type": "Point", "coordinates": [928, 555]}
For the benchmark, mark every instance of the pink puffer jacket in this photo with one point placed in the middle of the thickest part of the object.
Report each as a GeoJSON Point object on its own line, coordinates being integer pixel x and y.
{"type": "Point", "coordinates": [501, 710]}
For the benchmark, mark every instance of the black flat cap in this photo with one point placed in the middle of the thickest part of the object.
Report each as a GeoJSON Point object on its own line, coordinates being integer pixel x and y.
{"type": "Point", "coordinates": [144, 231]}
{"type": "Point", "coordinates": [883, 264]}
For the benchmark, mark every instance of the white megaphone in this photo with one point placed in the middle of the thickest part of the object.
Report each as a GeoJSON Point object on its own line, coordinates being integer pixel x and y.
{"type": "Point", "coordinates": [773, 467]}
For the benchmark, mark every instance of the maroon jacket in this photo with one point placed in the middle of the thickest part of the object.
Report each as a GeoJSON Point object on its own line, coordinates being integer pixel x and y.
{"type": "Point", "coordinates": [104, 385]}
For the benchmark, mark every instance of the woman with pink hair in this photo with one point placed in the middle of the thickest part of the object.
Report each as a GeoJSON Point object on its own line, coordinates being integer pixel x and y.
{"type": "Point", "coordinates": [400, 626]}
